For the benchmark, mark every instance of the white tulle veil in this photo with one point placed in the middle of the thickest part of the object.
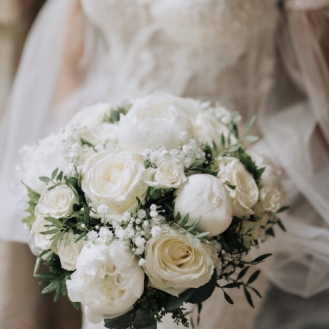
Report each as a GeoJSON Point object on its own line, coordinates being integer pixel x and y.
{"type": "Point", "coordinates": [294, 124]}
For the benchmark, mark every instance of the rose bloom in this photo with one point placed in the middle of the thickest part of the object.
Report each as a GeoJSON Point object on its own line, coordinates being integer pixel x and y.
{"type": "Point", "coordinates": [90, 117]}
{"type": "Point", "coordinates": [68, 255]}
{"type": "Point", "coordinates": [115, 179]}
{"type": "Point", "coordinates": [176, 262]}
{"type": "Point", "coordinates": [104, 133]}
{"type": "Point", "coordinates": [108, 280]}
{"type": "Point", "coordinates": [57, 202]}
{"type": "Point", "coordinates": [204, 195]}
{"type": "Point", "coordinates": [209, 129]}
{"type": "Point", "coordinates": [169, 174]}
{"type": "Point", "coordinates": [41, 241]}
{"type": "Point", "coordinates": [271, 192]}
{"type": "Point", "coordinates": [40, 160]}
{"type": "Point", "coordinates": [153, 121]}
{"type": "Point", "coordinates": [245, 195]}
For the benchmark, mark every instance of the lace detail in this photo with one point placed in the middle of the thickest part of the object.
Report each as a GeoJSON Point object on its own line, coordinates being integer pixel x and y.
{"type": "Point", "coordinates": [206, 49]}
{"type": "Point", "coordinates": [306, 4]}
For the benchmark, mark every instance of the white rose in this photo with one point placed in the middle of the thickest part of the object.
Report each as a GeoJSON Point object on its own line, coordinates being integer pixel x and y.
{"type": "Point", "coordinates": [115, 179]}
{"type": "Point", "coordinates": [68, 255]}
{"type": "Point", "coordinates": [90, 117]}
{"type": "Point", "coordinates": [40, 160]}
{"type": "Point", "coordinates": [41, 241]}
{"type": "Point", "coordinates": [57, 202]}
{"type": "Point", "coordinates": [245, 195]}
{"type": "Point", "coordinates": [209, 129]}
{"type": "Point", "coordinates": [176, 262]}
{"type": "Point", "coordinates": [169, 174]}
{"type": "Point", "coordinates": [153, 121]}
{"type": "Point", "coordinates": [205, 196]}
{"type": "Point", "coordinates": [108, 280]}
{"type": "Point", "coordinates": [271, 192]}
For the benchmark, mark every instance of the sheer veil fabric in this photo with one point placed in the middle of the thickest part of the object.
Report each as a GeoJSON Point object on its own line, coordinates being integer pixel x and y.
{"type": "Point", "coordinates": [204, 49]}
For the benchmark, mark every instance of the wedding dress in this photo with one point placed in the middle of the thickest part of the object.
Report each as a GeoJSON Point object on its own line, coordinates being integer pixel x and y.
{"type": "Point", "coordinates": [248, 54]}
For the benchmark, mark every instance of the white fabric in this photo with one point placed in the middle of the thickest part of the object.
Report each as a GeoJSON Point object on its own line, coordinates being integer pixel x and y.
{"type": "Point", "coordinates": [207, 49]}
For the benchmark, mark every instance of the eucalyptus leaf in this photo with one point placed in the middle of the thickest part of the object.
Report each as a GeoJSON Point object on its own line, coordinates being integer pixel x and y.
{"type": "Point", "coordinates": [251, 123]}
{"type": "Point", "coordinates": [53, 175]}
{"type": "Point", "coordinates": [195, 224]}
{"type": "Point", "coordinates": [185, 220]}
{"type": "Point", "coordinates": [253, 277]}
{"type": "Point", "coordinates": [248, 296]}
{"type": "Point", "coordinates": [45, 179]}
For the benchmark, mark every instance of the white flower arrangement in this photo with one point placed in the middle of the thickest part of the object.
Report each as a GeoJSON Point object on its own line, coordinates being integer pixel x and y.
{"type": "Point", "coordinates": [140, 208]}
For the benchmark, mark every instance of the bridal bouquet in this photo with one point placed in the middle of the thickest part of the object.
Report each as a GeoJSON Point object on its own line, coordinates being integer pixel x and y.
{"type": "Point", "coordinates": [141, 208]}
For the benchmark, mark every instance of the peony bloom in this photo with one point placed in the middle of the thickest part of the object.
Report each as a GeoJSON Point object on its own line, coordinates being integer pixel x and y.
{"type": "Point", "coordinates": [115, 179]}
{"type": "Point", "coordinates": [156, 120]}
{"type": "Point", "coordinates": [108, 280]}
{"type": "Point", "coordinates": [205, 196]}
{"type": "Point", "coordinates": [176, 262]}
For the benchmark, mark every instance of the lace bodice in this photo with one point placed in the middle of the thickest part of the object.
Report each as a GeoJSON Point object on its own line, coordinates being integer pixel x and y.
{"type": "Point", "coordinates": [206, 49]}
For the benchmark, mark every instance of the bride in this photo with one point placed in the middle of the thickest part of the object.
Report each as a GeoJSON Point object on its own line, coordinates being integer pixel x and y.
{"type": "Point", "coordinates": [255, 56]}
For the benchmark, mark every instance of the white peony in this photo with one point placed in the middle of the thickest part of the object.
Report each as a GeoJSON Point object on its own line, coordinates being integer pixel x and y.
{"type": "Point", "coordinates": [57, 202]}
{"type": "Point", "coordinates": [40, 160]}
{"type": "Point", "coordinates": [169, 174]}
{"type": "Point", "coordinates": [90, 117]}
{"type": "Point", "coordinates": [108, 280]}
{"type": "Point", "coordinates": [176, 262]}
{"type": "Point", "coordinates": [104, 133]}
{"type": "Point", "coordinates": [115, 179]}
{"type": "Point", "coordinates": [209, 129]}
{"type": "Point", "coordinates": [245, 195]}
{"type": "Point", "coordinates": [205, 196]}
{"type": "Point", "coordinates": [68, 255]}
{"type": "Point", "coordinates": [41, 241]}
{"type": "Point", "coordinates": [156, 120]}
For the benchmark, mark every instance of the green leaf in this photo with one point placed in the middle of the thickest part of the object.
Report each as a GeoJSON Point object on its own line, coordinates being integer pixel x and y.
{"type": "Point", "coordinates": [222, 141]}
{"type": "Point", "coordinates": [86, 213]}
{"type": "Point", "coordinates": [256, 292]}
{"type": "Point", "coordinates": [281, 225]}
{"type": "Point", "coordinates": [232, 285]}
{"type": "Point", "coordinates": [85, 142]}
{"type": "Point", "coordinates": [56, 238]}
{"type": "Point", "coordinates": [233, 148]}
{"type": "Point", "coordinates": [201, 235]}
{"type": "Point", "coordinates": [284, 208]}
{"type": "Point", "coordinates": [53, 175]}
{"type": "Point", "coordinates": [248, 296]}
{"type": "Point", "coordinates": [253, 277]}
{"type": "Point", "coordinates": [261, 258]}
{"type": "Point", "coordinates": [178, 217]}
{"type": "Point", "coordinates": [45, 179]}
{"type": "Point", "coordinates": [202, 293]}
{"type": "Point", "coordinates": [81, 236]}
{"type": "Point", "coordinates": [53, 286]}
{"type": "Point", "coordinates": [232, 187]}
{"type": "Point", "coordinates": [54, 231]}
{"type": "Point", "coordinates": [251, 138]}
{"type": "Point", "coordinates": [251, 123]}
{"type": "Point", "coordinates": [197, 163]}
{"type": "Point", "coordinates": [174, 302]}
{"type": "Point", "coordinates": [60, 176]}
{"type": "Point", "coordinates": [69, 237]}
{"type": "Point", "coordinates": [54, 221]}
{"type": "Point", "coordinates": [33, 196]}
{"type": "Point", "coordinates": [195, 224]}
{"type": "Point", "coordinates": [185, 220]}
{"type": "Point", "coordinates": [228, 298]}
{"type": "Point", "coordinates": [242, 273]}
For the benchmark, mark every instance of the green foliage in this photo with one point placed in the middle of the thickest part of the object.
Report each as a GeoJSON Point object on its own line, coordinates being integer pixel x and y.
{"type": "Point", "coordinates": [115, 114]}
{"type": "Point", "coordinates": [33, 201]}
{"type": "Point", "coordinates": [249, 164]}
{"type": "Point", "coordinates": [55, 279]}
